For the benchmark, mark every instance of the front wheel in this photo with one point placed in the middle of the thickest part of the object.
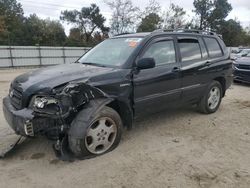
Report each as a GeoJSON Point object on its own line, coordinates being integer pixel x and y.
{"type": "Point", "coordinates": [210, 102]}
{"type": "Point", "coordinates": [101, 133]}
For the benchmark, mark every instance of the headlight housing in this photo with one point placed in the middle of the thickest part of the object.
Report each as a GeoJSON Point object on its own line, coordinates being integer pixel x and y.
{"type": "Point", "coordinates": [40, 102]}
{"type": "Point", "coordinates": [45, 104]}
{"type": "Point", "coordinates": [50, 105]}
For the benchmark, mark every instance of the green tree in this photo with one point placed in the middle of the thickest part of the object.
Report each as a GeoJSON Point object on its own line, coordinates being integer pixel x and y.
{"type": "Point", "coordinates": [150, 17]}
{"type": "Point", "coordinates": [221, 10]}
{"type": "Point", "coordinates": [11, 14]}
{"type": "Point", "coordinates": [174, 17]}
{"type": "Point", "coordinates": [88, 20]}
{"type": "Point", "coordinates": [233, 33]}
{"type": "Point", "coordinates": [193, 23]}
{"type": "Point", "coordinates": [44, 32]}
{"type": "Point", "coordinates": [99, 37]}
{"type": "Point", "coordinates": [124, 16]}
{"type": "Point", "coordinates": [152, 7]}
{"type": "Point", "coordinates": [247, 29]}
{"type": "Point", "coordinates": [2, 25]}
{"type": "Point", "coordinates": [54, 33]}
{"type": "Point", "coordinates": [34, 30]}
{"type": "Point", "coordinates": [203, 9]}
{"type": "Point", "coordinates": [150, 23]}
{"type": "Point", "coordinates": [212, 13]}
{"type": "Point", "coordinates": [75, 38]}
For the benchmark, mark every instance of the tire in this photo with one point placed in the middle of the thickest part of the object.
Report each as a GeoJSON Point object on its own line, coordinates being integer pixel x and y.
{"type": "Point", "coordinates": [209, 103]}
{"type": "Point", "coordinates": [100, 132]}
{"type": "Point", "coordinates": [237, 81]}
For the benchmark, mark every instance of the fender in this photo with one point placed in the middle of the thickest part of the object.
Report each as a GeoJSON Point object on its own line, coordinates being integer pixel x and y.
{"type": "Point", "coordinates": [92, 108]}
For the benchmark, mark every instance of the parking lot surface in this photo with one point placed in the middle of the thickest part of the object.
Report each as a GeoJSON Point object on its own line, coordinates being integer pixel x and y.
{"type": "Point", "coordinates": [174, 148]}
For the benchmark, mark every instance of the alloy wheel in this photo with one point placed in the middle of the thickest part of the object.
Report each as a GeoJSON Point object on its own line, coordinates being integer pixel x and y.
{"type": "Point", "coordinates": [101, 135]}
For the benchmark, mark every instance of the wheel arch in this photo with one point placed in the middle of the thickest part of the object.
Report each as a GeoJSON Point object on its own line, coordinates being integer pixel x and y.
{"type": "Point", "coordinates": [86, 113]}
{"type": "Point", "coordinates": [124, 110]}
{"type": "Point", "coordinates": [79, 127]}
{"type": "Point", "coordinates": [222, 81]}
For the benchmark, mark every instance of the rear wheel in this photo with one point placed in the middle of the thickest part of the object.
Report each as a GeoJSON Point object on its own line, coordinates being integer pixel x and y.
{"type": "Point", "coordinates": [210, 102]}
{"type": "Point", "coordinates": [101, 133]}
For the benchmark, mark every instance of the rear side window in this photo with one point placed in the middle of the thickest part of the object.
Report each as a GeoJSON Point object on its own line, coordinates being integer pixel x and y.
{"type": "Point", "coordinates": [163, 52]}
{"type": "Point", "coordinates": [213, 47]}
{"type": "Point", "coordinates": [203, 49]}
{"type": "Point", "coordinates": [190, 49]}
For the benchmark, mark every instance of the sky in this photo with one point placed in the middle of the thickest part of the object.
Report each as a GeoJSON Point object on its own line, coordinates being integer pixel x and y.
{"type": "Point", "coordinates": [52, 8]}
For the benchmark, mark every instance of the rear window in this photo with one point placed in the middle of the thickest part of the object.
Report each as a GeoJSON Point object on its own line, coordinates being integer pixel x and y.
{"type": "Point", "coordinates": [190, 49]}
{"type": "Point", "coordinates": [213, 47]}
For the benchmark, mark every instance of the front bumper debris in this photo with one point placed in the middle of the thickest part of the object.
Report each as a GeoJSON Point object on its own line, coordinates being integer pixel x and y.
{"type": "Point", "coordinates": [9, 141]}
{"type": "Point", "coordinates": [19, 120]}
{"type": "Point", "coordinates": [24, 122]}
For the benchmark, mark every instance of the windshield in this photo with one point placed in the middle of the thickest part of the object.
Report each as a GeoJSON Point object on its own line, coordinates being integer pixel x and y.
{"type": "Point", "coordinates": [244, 52]}
{"type": "Point", "coordinates": [111, 52]}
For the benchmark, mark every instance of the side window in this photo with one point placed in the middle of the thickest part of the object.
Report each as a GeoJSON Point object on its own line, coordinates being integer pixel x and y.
{"type": "Point", "coordinates": [190, 49]}
{"type": "Point", "coordinates": [213, 47]}
{"type": "Point", "coordinates": [203, 49]}
{"type": "Point", "coordinates": [163, 52]}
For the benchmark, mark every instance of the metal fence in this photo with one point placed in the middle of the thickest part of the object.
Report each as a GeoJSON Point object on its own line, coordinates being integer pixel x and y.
{"type": "Point", "coordinates": [19, 56]}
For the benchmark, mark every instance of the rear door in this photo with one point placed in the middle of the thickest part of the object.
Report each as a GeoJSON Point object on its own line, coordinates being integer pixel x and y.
{"type": "Point", "coordinates": [194, 56]}
{"type": "Point", "coordinates": [156, 88]}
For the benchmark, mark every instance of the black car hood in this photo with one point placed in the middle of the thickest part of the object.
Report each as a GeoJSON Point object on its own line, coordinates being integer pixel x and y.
{"type": "Point", "coordinates": [51, 77]}
{"type": "Point", "coordinates": [243, 61]}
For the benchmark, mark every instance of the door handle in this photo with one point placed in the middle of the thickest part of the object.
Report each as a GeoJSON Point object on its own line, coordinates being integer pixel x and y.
{"type": "Point", "coordinates": [176, 69]}
{"type": "Point", "coordinates": [208, 63]}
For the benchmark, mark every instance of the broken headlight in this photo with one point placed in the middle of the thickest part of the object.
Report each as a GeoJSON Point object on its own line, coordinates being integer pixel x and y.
{"type": "Point", "coordinates": [50, 105]}
{"type": "Point", "coordinates": [41, 102]}
{"type": "Point", "coordinates": [45, 105]}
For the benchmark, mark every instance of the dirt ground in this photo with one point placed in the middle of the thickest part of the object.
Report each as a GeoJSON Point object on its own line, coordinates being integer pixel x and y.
{"type": "Point", "coordinates": [178, 148]}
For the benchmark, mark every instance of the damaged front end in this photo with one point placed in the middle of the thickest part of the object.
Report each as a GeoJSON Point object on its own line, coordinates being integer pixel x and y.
{"type": "Point", "coordinates": [62, 106]}
{"type": "Point", "coordinates": [51, 114]}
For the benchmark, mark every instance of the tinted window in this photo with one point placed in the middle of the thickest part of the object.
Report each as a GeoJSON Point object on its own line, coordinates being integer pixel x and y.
{"type": "Point", "coordinates": [213, 47]}
{"type": "Point", "coordinates": [163, 52]}
{"type": "Point", "coordinates": [190, 49]}
{"type": "Point", "coordinates": [203, 48]}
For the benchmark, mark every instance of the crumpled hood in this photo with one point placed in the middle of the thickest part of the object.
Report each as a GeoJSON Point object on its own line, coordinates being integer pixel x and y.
{"type": "Point", "coordinates": [51, 77]}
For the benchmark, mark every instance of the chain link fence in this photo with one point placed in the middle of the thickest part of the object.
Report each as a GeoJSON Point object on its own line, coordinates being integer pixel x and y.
{"type": "Point", "coordinates": [21, 56]}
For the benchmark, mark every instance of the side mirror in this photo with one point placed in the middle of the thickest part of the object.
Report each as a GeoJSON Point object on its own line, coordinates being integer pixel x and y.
{"type": "Point", "coordinates": [146, 63]}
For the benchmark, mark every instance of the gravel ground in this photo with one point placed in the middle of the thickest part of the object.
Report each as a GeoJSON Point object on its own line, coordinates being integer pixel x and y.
{"type": "Point", "coordinates": [177, 148]}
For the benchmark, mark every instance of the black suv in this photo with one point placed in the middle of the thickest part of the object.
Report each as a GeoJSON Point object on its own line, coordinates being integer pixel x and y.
{"type": "Point", "coordinates": [85, 105]}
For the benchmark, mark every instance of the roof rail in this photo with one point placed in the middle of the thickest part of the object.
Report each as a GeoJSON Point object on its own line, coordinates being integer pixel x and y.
{"type": "Point", "coordinates": [126, 33]}
{"type": "Point", "coordinates": [204, 32]}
